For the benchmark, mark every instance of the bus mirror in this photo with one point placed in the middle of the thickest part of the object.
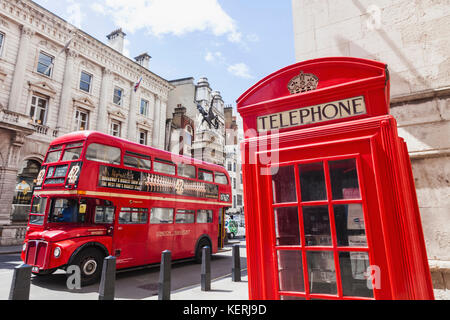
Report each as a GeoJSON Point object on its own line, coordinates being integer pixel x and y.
{"type": "Point", "coordinates": [82, 208]}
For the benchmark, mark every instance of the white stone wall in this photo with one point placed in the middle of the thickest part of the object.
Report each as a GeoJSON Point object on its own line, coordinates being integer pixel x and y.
{"type": "Point", "coordinates": [413, 38]}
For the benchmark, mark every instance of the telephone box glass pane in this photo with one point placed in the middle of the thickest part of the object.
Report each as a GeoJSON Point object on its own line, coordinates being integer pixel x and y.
{"type": "Point", "coordinates": [312, 182]}
{"type": "Point", "coordinates": [353, 265]}
{"type": "Point", "coordinates": [283, 184]}
{"type": "Point", "coordinates": [286, 226]}
{"type": "Point", "coordinates": [344, 179]}
{"type": "Point", "coordinates": [290, 270]}
{"type": "Point", "coordinates": [317, 226]}
{"type": "Point", "coordinates": [350, 229]}
{"type": "Point", "coordinates": [321, 272]}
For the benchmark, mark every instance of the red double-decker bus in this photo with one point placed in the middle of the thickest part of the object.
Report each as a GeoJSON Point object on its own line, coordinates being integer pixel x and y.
{"type": "Point", "coordinates": [98, 195]}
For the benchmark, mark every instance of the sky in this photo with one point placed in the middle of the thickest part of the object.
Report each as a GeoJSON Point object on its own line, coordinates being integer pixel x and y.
{"type": "Point", "coordinates": [234, 43]}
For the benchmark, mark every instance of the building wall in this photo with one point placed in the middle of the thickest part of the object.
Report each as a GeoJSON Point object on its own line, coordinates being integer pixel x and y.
{"type": "Point", "coordinates": [413, 38]}
{"type": "Point", "coordinates": [29, 29]}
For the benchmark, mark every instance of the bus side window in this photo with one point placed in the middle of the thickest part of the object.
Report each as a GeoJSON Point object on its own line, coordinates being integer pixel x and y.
{"type": "Point", "coordinates": [161, 216]}
{"type": "Point", "coordinates": [133, 215]}
{"type": "Point", "coordinates": [204, 216]}
{"type": "Point", "coordinates": [185, 216]}
{"type": "Point", "coordinates": [104, 214]}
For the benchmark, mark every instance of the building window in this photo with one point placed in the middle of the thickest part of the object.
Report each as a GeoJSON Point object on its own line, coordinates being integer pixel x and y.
{"type": "Point", "coordinates": [229, 165]}
{"type": "Point", "coordinates": [239, 200]}
{"type": "Point", "coordinates": [115, 128]}
{"type": "Point", "coordinates": [144, 107]}
{"type": "Point", "coordinates": [45, 64]}
{"type": "Point", "coordinates": [189, 133]}
{"type": "Point", "coordinates": [117, 99]}
{"type": "Point", "coordinates": [85, 81]}
{"type": "Point", "coordinates": [143, 137]}
{"type": "Point", "coordinates": [81, 120]}
{"type": "Point", "coordinates": [38, 111]}
{"type": "Point", "coordinates": [234, 166]}
{"type": "Point", "coordinates": [2, 40]}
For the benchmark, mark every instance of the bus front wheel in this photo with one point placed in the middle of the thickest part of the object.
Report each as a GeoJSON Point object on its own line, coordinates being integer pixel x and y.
{"type": "Point", "coordinates": [90, 262]}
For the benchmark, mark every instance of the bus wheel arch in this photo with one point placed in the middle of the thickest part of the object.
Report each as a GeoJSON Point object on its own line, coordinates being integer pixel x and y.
{"type": "Point", "coordinates": [89, 258]}
{"type": "Point", "coordinates": [203, 241]}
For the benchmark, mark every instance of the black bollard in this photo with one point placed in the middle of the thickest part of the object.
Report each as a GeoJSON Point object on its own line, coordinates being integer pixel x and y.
{"type": "Point", "coordinates": [236, 270]}
{"type": "Point", "coordinates": [164, 276]}
{"type": "Point", "coordinates": [20, 286]}
{"type": "Point", "coordinates": [206, 269]}
{"type": "Point", "coordinates": [108, 281]}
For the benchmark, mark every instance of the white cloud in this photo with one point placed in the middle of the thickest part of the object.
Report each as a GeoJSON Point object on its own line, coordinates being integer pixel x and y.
{"type": "Point", "coordinates": [177, 17]}
{"type": "Point", "coordinates": [240, 70]}
{"type": "Point", "coordinates": [74, 13]}
{"type": "Point", "coordinates": [214, 57]}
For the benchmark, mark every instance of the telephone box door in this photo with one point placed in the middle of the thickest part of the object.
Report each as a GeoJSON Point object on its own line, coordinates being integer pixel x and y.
{"type": "Point", "coordinates": [323, 219]}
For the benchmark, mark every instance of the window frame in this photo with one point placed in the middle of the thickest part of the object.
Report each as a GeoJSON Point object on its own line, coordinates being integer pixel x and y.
{"type": "Point", "coordinates": [78, 122]}
{"type": "Point", "coordinates": [2, 42]}
{"type": "Point", "coordinates": [119, 89]}
{"type": "Point", "coordinates": [111, 128]}
{"type": "Point", "coordinates": [145, 132]}
{"type": "Point", "coordinates": [49, 66]}
{"type": "Point", "coordinates": [146, 102]}
{"type": "Point", "coordinates": [34, 107]}
{"type": "Point", "coordinates": [82, 81]}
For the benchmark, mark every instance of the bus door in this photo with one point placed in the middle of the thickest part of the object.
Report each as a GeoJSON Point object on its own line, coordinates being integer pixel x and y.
{"type": "Point", "coordinates": [160, 232]}
{"type": "Point", "coordinates": [130, 240]}
{"type": "Point", "coordinates": [221, 228]}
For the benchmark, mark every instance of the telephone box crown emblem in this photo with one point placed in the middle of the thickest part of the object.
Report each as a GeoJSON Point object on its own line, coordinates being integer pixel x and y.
{"type": "Point", "coordinates": [303, 82]}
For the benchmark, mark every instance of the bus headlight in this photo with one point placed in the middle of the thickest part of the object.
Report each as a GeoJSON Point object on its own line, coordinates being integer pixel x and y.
{"type": "Point", "coordinates": [57, 252]}
{"type": "Point", "coordinates": [24, 247]}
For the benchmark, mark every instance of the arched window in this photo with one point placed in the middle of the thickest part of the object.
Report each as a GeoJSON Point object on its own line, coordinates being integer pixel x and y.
{"type": "Point", "coordinates": [26, 177]}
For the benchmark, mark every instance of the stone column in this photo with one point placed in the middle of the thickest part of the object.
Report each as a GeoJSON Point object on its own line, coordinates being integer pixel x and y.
{"type": "Point", "coordinates": [156, 122]}
{"type": "Point", "coordinates": [66, 94]}
{"type": "Point", "coordinates": [105, 95]}
{"type": "Point", "coordinates": [18, 81]}
{"type": "Point", "coordinates": [132, 115]}
{"type": "Point", "coordinates": [9, 176]}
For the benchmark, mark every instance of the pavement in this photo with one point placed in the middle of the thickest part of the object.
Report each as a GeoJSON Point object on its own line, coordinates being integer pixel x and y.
{"type": "Point", "coordinates": [134, 286]}
{"type": "Point", "coordinates": [222, 288]}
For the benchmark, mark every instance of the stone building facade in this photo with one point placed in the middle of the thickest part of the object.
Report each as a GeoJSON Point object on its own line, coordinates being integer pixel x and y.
{"type": "Point", "coordinates": [233, 162]}
{"type": "Point", "coordinates": [413, 38]}
{"type": "Point", "coordinates": [54, 79]}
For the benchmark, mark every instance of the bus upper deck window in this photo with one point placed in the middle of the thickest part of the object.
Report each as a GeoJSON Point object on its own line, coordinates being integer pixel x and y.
{"type": "Point", "coordinates": [186, 170]}
{"type": "Point", "coordinates": [103, 153]}
{"type": "Point", "coordinates": [137, 160]}
{"type": "Point", "coordinates": [205, 175]}
{"type": "Point", "coordinates": [164, 166]}
{"type": "Point", "coordinates": [220, 177]}
{"type": "Point", "coordinates": [72, 151]}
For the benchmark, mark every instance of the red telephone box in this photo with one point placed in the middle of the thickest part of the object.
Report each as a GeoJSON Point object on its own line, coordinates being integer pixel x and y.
{"type": "Point", "coordinates": [330, 203]}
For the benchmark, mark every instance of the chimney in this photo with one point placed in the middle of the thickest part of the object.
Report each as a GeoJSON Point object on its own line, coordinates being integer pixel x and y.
{"type": "Point", "coordinates": [115, 39]}
{"type": "Point", "coordinates": [143, 59]}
